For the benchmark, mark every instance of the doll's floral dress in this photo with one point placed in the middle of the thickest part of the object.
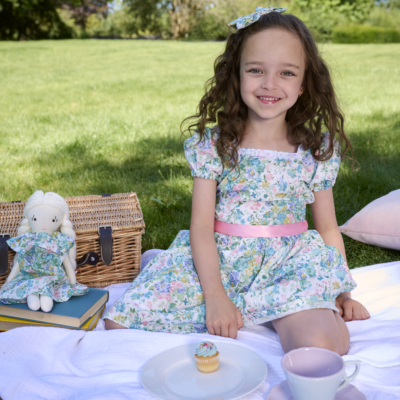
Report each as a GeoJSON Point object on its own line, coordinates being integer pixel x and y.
{"type": "Point", "coordinates": [40, 256]}
{"type": "Point", "coordinates": [266, 278]}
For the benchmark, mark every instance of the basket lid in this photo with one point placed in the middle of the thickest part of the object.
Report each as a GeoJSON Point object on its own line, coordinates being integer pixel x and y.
{"type": "Point", "coordinates": [122, 211]}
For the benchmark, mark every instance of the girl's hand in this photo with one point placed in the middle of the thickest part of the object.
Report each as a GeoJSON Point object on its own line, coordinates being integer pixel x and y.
{"type": "Point", "coordinates": [222, 317]}
{"type": "Point", "coordinates": [349, 309]}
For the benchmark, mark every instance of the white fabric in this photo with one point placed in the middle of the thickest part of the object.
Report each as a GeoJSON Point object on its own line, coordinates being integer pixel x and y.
{"type": "Point", "coordinates": [51, 363]}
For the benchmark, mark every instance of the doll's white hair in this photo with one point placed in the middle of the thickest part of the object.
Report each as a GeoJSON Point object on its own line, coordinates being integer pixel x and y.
{"type": "Point", "coordinates": [54, 200]}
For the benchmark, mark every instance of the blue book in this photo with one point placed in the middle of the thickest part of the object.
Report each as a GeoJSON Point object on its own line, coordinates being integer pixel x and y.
{"type": "Point", "coordinates": [71, 314]}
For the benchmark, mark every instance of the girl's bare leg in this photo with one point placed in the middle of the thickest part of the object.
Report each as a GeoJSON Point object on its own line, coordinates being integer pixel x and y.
{"type": "Point", "coordinates": [113, 325]}
{"type": "Point", "coordinates": [322, 328]}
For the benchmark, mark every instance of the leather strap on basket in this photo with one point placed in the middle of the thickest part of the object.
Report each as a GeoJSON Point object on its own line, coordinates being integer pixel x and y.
{"type": "Point", "coordinates": [90, 258]}
{"type": "Point", "coordinates": [106, 242]}
{"type": "Point", "coordinates": [3, 253]}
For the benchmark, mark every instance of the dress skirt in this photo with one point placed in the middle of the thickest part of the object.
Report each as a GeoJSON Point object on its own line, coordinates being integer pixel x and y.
{"type": "Point", "coordinates": [40, 259]}
{"type": "Point", "coordinates": [266, 278]}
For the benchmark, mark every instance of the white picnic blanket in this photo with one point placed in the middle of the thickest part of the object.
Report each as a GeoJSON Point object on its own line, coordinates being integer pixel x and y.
{"type": "Point", "coordinates": [52, 363]}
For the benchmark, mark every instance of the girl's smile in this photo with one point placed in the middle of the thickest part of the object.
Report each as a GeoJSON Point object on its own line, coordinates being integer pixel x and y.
{"type": "Point", "coordinates": [269, 100]}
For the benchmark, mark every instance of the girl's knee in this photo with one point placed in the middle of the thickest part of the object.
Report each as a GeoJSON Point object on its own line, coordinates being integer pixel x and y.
{"type": "Point", "coordinates": [344, 330]}
{"type": "Point", "coordinates": [313, 328]}
{"type": "Point", "coordinates": [113, 325]}
{"type": "Point", "coordinates": [329, 342]}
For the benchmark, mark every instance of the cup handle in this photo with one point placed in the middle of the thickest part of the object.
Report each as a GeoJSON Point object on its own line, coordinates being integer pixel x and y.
{"type": "Point", "coordinates": [348, 379]}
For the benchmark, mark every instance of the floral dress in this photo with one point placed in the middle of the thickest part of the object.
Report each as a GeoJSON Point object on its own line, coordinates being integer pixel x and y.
{"type": "Point", "coordinates": [266, 278]}
{"type": "Point", "coordinates": [40, 256]}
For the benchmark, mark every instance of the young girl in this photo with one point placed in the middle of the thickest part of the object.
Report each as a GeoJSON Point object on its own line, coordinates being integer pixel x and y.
{"type": "Point", "coordinates": [249, 257]}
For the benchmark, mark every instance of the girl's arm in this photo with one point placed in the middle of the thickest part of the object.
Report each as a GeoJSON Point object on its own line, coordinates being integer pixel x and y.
{"type": "Point", "coordinates": [324, 217]}
{"type": "Point", "coordinates": [222, 316]}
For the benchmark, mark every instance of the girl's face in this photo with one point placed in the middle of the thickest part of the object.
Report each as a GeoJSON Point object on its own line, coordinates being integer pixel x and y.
{"type": "Point", "coordinates": [272, 67]}
{"type": "Point", "coordinates": [45, 218]}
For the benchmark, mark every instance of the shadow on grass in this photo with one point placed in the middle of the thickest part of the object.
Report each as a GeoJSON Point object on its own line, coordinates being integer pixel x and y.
{"type": "Point", "coordinates": [155, 167]}
{"type": "Point", "coordinates": [149, 161]}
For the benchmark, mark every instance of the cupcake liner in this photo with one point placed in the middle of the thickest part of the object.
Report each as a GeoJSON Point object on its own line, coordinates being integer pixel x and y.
{"type": "Point", "coordinates": [207, 360]}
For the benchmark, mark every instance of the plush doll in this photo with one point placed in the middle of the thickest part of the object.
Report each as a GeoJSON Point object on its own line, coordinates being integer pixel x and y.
{"type": "Point", "coordinates": [44, 267]}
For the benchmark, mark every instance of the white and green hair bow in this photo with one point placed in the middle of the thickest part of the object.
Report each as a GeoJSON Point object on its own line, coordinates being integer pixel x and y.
{"type": "Point", "coordinates": [243, 22]}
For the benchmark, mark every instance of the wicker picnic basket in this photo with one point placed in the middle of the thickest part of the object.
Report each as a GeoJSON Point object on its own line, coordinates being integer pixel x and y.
{"type": "Point", "coordinates": [120, 214]}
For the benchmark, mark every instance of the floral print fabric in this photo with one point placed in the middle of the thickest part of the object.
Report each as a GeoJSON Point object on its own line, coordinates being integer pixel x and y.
{"type": "Point", "coordinates": [272, 188]}
{"type": "Point", "coordinates": [243, 22]}
{"type": "Point", "coordinates": [40, 257]}
{"type": "Point", "coordinates": [266, 278]}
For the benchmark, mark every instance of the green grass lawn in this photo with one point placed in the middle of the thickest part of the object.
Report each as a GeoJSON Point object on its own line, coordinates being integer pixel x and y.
{"type": "Point", "coordinates": [92, 117]}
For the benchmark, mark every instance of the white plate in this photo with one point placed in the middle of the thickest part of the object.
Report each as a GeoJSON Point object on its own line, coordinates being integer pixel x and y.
{"type": "Point", "coordinates": [173, 374]}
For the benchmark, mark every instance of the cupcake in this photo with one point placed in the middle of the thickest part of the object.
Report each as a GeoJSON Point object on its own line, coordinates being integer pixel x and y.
{"type": "Point", "coordinates": [207, 357]}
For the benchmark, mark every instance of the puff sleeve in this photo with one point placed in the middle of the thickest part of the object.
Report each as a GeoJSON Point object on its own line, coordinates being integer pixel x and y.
{"type": "Point", "coordinates": [20, 243]}
{"type": "Point", "coordinates": [325, 172]}
{"type": "Point", "coordinates": [202, 156]}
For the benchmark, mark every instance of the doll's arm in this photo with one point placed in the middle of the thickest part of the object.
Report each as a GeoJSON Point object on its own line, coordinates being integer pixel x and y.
{"type": "Point", "coordinates": [69, 270]}
{"type": "Point", "coordinates": [14, 270]}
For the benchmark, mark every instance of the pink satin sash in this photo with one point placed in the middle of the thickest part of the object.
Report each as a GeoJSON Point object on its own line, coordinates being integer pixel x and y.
{"type": "Point", "coordinates": [260, 230]}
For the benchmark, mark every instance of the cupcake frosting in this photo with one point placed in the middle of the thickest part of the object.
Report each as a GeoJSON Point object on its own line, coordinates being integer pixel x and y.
{"type": "Point", "coordinates": [206, 349]}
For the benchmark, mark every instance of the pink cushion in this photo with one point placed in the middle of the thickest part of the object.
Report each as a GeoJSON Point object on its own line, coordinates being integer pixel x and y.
{"type": "Point", "coordinates": [378, 223]}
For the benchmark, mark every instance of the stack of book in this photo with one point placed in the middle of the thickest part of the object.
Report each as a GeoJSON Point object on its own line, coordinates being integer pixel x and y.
{"type": "Point", "coordinates": [79, 312]}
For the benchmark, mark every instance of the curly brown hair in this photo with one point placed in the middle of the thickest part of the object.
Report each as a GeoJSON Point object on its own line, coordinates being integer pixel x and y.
{"type": "Point", "coordinates": [314, 111]}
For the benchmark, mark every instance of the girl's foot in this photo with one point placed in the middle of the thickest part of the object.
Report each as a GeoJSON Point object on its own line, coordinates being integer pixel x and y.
{"type": "Point", "coordinates": [113, 325]}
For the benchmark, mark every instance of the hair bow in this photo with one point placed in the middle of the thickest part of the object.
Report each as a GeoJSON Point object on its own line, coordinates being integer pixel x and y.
{"type": "Point", "coordinates": [243, 22]}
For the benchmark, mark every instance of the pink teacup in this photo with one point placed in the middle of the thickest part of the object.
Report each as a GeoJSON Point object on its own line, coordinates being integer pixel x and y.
{"type": "Point", "coordinates": [314, 374]}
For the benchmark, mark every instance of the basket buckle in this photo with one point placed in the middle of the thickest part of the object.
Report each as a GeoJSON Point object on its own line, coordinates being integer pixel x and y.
{"type": "Point", "coordinates": [103, 227]}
